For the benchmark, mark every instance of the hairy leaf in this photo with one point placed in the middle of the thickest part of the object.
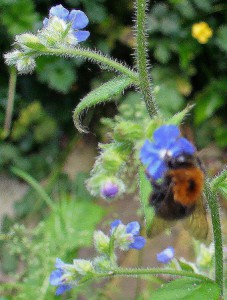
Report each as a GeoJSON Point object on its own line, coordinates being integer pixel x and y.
{"type": "Point", "coordinates": [187, 289]}
{"type": "Point", "coordinates": [104, 93]}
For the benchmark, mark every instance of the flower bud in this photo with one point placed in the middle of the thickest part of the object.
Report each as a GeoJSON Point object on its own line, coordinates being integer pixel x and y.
{"type": "Point", "coordinates": [111, 160]}
{"type": "Point", "coordinates": [103, 264]}
{"type": "Point", "coordinates": [101, 242]}
{"type": "Point", "coordinates": [128, 131]}
{"type": "Point", "coordinates": [29, 40]}
{"type": "Point", "coordinates": [57, 25]}
{"type": "Point", "coordinates": [83, 266]}
{"type": "Point", "coordinates": [93, 183]}
{"type": "Point", "coordinates": [25, 65]}
{"type": "Point", "coordinates": [205, 257]}
{"type": "Point", "coordinates": [11, 58]}
{"type": "Point", "coordinates": [109, 190]}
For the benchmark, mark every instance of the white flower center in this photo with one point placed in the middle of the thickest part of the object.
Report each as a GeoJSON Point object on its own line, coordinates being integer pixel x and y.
{"type": "Point", "coordinates": [164, 152]}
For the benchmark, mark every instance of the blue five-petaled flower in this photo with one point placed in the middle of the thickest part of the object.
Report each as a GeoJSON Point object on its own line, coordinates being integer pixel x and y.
{"type": "Point", "coordinates": [167, 143]}
{"type": "Point", "coordinates": [166, 255]}
{"type": "Point", "coordinates": [61, 277]}
{"type": "Point", "coordinates": [128, 235]}
{"type": "Point", "coordinates": [77, 18]}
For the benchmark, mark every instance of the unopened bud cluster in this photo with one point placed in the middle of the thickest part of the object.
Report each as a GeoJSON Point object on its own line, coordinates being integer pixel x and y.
{"type": "Point", "coordinates": [108, 176]}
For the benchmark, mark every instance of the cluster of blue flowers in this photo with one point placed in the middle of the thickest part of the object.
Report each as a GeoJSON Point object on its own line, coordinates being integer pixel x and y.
{"type": "Point", "coordinates": [167, 143]}
{"type": "Point", "coordinates": [61, 29]}
{"type": "Point", "coordinates": [122, 236]}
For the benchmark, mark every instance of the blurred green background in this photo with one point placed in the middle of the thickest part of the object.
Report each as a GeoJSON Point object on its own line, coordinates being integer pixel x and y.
{"type": "Point", "coordinates": [42, 132]}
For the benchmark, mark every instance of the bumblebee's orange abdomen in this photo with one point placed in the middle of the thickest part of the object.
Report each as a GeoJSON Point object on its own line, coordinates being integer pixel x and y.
{"type": "Point", "coordinates": [187, 185]}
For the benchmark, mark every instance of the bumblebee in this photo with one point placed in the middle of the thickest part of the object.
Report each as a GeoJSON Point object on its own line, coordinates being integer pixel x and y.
{"type": "Point", "coordinates": [179, 196]}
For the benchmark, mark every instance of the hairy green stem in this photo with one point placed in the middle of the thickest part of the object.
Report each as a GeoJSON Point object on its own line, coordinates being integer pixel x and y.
{"type": "Point", "coordinates": [10, 102]}
{"type": "Point", "coordinates": [95, 57]}
{"type": "Point", "coordinates": [141, 58]}
{"type": "Point", "coordinates": [211, 197]}
{"type": "Point", "coordinates": [153, 271]}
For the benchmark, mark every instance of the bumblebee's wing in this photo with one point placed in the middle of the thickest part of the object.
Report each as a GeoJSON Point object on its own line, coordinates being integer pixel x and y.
{"type": "Point", "coordinates": [196, 223]}
{"type": "Point", "coordinates": [158, 226]}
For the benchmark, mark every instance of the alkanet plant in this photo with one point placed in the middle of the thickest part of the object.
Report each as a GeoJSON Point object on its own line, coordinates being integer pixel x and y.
{"type": "Point", "coordinates": [61, 35]}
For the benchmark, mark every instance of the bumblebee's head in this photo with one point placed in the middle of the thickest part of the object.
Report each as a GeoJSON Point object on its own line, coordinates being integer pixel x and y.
{"type": "Point", "coordinates": [182, 161]}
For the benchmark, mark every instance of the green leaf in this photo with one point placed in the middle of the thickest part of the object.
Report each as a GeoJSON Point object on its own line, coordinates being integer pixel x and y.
{"type": "Point", "coordinates": [187, 289]}
{"type": "Point", "coordinates": [186, 9]}
{"type": "Point", "coordinates": [222, 37]}
{"type": "Point", "coordinates": [179, 117]}
{"type": "Point", "coordinates": [103, 93]}
{"type": "Point", "coordinates": [162, 53]}
{"type": "Point", "coordinates": [185, 266]}
{"type": "Point", "coordinates": [205, 5]}
{"type": "Point", "coordinates": [169, 98]}
{"type": "Point", "coordinates": [58, 73]}
{"type": "Point", "coordinates": [207, 103]}
{"type": "Point", "coordinates": [221, 136]}
{"type": "Point", "coordinates": [18, 16]}
{"type": "Point", "coordinates": [145, 191]}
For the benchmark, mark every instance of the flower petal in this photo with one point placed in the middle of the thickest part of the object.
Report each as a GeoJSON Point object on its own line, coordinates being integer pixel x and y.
{"type": "Point", "coordinates": [115, 223]}
{"type": "Point", "coordinates": [59, 263]}
{"type": "Point", "coordinates": [55, 277]}
{"type": "Point", "coordinates": [81, 35]}
{"type": "Point", "coordinates": [59, 11]}
{"type": "Point", "coordinates": [165, 134]}
{"type": "Point", "coordinates": [139, 243]}
{"type": "Point", "coordinates": [133, 228]}
{"type": "Point", "coordinates": [62, 288]}
{"type": "Point", "coordinates": [45, 22]}
{"type": "Point", "coordinates": [148, 152]}
{"type": "Point", "coordinates": [166, 255]}
{"type": "Point", "coordinates": [186, 146]}
{"type": "Point", "coordinates": [156, 169]}
{"type": "Point", "coordinates": [78, 18]}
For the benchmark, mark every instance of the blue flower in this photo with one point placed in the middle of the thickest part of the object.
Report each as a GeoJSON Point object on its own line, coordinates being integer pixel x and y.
{"type": "Point", "coordinates": [166, 255]}
{"type": "Point", "coordinates": [61, 277]}
{"type": "Point", "coordinates": [76, 18]}
{"type": "Point", "coordinates": [109, 190]}
{"type": "Point", "coordinates": [127, 236]}
{"type": "Point", "coordinates": [167, 143]}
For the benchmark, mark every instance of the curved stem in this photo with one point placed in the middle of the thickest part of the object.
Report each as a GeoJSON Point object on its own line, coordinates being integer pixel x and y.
{"type": "Point", "coordinates": [36, 186]}
{"type": "Point", "coordinates": [95, 57]}
{"type": "Point", "coordinates": [141, 58]}
{"type": "Point", "coordinates": [153, 271]}
{"type": "Point", "coordinates": [211, 197]}
{"type": "Point", "coordinates": [10, 102]}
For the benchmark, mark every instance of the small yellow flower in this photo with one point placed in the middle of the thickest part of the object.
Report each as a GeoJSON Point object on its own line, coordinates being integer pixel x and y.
{"type": "Point", "coordinates": [202, 32]}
